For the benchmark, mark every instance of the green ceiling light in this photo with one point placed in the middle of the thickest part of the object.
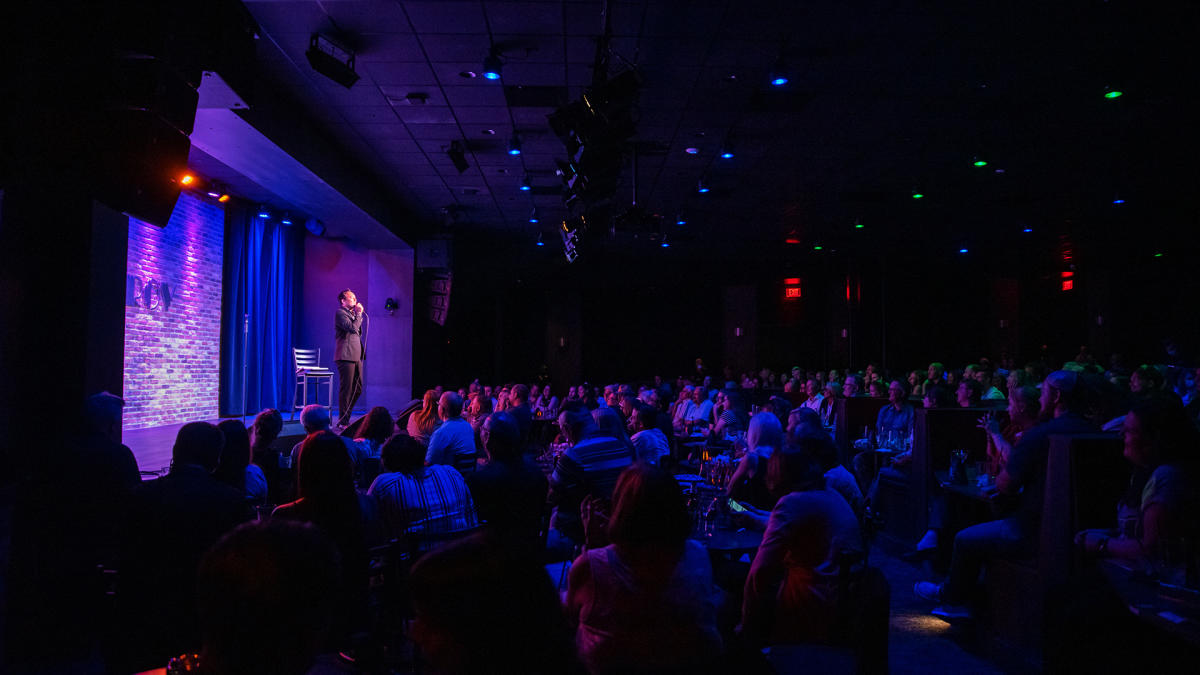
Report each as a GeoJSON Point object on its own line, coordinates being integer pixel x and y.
{"type": "Point", "coordinates": [858, 226]}
{"type": "Point", "coordinates": [917, 195]}
{"type": "Point", "coordinates": [980, 162]}
{"type": "Point", "coordinates": [1157, 255]}
{"type": "Point", "coordinates": [1113, 93]}
{"type": "Point", "coordinates": [818, 248]}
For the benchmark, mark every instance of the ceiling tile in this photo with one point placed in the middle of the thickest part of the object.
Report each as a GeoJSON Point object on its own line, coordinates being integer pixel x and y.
{"type": "Point", "coordinates": [535, 18]}
{"type": "Point", "coordinates": [398, 73]}
{"type": "Point", "coordinates": [446, 16]}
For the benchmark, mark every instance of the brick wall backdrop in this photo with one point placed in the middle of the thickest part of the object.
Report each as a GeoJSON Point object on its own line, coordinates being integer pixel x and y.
{"type": "Point", "coordinates": [173, 335]}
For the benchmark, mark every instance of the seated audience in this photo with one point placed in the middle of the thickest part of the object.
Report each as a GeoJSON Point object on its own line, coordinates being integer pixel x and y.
{"type": "Point", "coordinates": [545, 406]}
{"type": "Point", "coordinates": [252, 622]}
{"type": "Point", "coordinates": [968, 394]}
{"type": "Point", "coordinates": [234, 467]}
{"type": "Point", "coordinates": [418, 498]}
{"type": "Point", "coordinates": [730, 413]}
{"type": "Point", "coordinates": [520, 410]}
{"type": "Point", "coordinates": [611, 422]}
{"type": "Point", "coordinates": [749, 480]}
{"type": "Point", "coordinates": [812, 391]}
{"type": "Point", "coordinates": [699, 415]}
{"type": "Point", "coordinates": [454, 441]}
{"type": "Point", "coordinates": [377, 426]}
{"type": "Point", "coordinates": [423, 422]}
{"type": "Point", "coordinates": [1023, 479]}
{"type": "Point", "coordinates": [589, 467]}
{"type": "Point", "coordinates": [646, 602]}
{"type": "Point", "coordinates": [315, 418]}
{"type": "Point", "coordinates": [481, 607]}
{"type": "Point", "coordinates": [790, 592]}
{"type": "Point", "coordinates": [649, 442]}
{"type": "Point", "coordinates": [1163, 446]}
{"type": "Point", "coordinates": [264, 430]}
{"type": "Point", "coordinates": [326, 498]}
{"type": "Point", "coordinates": [171, 522]}
{"type": "Point", "coordinates": [893, 428]}
{"type": "Point", "coordinates": [509, 490]}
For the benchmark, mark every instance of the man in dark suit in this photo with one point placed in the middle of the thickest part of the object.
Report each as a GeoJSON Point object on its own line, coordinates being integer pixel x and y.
{"type": "Point", "coordinates": [349, 353]}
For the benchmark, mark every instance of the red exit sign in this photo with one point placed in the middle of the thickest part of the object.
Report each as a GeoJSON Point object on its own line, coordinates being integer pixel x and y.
{"type": "Point", "coordinates": [791, 292]}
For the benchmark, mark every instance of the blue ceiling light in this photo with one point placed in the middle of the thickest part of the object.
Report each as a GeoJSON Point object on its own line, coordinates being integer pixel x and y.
{"type": "Point", "coordinates": [680, 220]}
{"type": "Point", "coordinates": [1027, 230]}
{"type": "Point", "coordinates": [286, 219]}
{"type": "Point", "coordinates": [492, 66]}
{"type": "Point", "coordinates": [702, 187]}
{"type": "Point", "coordinates": [665, 245]}
{"type": "Point", "coordinates": [514, 145]}
{"type": "Point", "coordinates": [539, 240]}
{"type": "Point", "coordinates": [1118, 201]}
{"type": "Point", "coordinates": [727, 153]}
{"type": "Point", "coordinates": [263, 212]}
{"type": "Point", "coordinates": [962, 250]}
{"type": "Point", "coordinates": [691, 151]}
{"type": "Point", "coordinates": [778, 81]}
{"type": "Point", "coordinates": [526, 184]}
{"type": "Point", "coordinates": [533, 216]}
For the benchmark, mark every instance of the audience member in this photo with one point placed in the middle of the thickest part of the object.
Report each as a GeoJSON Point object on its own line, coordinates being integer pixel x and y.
{"type": "Point", "coordinates": [1160, 507]}
{"type": "Point", "coordinates": [650, 444]}
{"type": "Point", "coordinates": [968, 394]}
{"type": "Point", "coordinates": [266, 427]}
{"type": "Point", "coordinates": [454, 441]}
{"type": "Point", "coordinates": [315, 418]}
{"type": "Point", "coordinates": [326, 498]}
{"type": "Point", "coordinates": [589, 467]}
{"type": "Point", "coordinates": [172, 521]}
{"type": "Point", "coordinates": [377, 426]}
{"type": "Point", "coordinates": [234, 467]}
{"type": "Point", "coordinates": [790, 592]}
{"type": "Point", "coordinates": [482, 607]}
{"type": "Point", "coordinates": [271, 623]}
{"type": "Point", "coordinates": [422, 423]}
{"type": "Point", "coordinates": [646, 602]}
{"type": "Point", "coordinates": [509, 490]}
{"type": "Point", "coordinates": [749, 480]}
{"type": "Point", "coordinates": [421, 499]}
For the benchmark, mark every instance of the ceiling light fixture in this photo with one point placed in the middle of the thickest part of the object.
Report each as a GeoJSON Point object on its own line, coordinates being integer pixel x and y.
{"type": "Point", "coordinates": [331, 60]}
{"type": "Point", "coordinates": [680, 220]}
{"type": "Point", "coordinates": [286, 219]}
{"type": "Point", "coordinates": [980, 162]}
{"type": "Point", "coordinates": [263, 212]}
{"type": "Point", "coordinates": [526, 184]}
{"type": "Point", "coordinates": [691, 151]}
{"type": "Point", "coordinates": [917, 195]}
{"type": "Point", "coordinates": [1113, 93]}
{"type": "Point", "coordinates": [514, 145]}
{"type": "Point", "coordinates": [458, 155]}
{"type": "Point", "coordinates": [702, 187]}
{"type": "Point", "coordinates": [539, 240]}
{"type": "Point", "coordinates": [726, 151]}
{"type": "Point", "coordinates": [492, 65]}
{"type": "Point", "coordinates": [533, 216]}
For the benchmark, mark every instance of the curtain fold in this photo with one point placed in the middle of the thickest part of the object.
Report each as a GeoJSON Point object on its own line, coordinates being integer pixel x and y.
{"type": "Point", "coordinates": [260, 312]}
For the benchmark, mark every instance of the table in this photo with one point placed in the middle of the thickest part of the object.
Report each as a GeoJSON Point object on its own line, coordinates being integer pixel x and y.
{"type": "Point", "coordinates": [1174, 610]}
{"type": "Point", "coordinates": [730, 541]}
{"type": "Point", "coordinates": [969, 490]}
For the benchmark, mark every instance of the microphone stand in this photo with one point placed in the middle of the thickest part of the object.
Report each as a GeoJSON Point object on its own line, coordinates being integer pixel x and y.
{"type": "Point", "coordinates": [245, 360]}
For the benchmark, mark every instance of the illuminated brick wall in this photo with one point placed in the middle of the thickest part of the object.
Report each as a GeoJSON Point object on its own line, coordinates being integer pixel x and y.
{"type": "Point", "coordinates": [173, 316]}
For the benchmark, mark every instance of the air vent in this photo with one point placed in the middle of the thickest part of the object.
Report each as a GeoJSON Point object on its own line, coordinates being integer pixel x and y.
{"type": "Point", "coordinates": [415, 98]}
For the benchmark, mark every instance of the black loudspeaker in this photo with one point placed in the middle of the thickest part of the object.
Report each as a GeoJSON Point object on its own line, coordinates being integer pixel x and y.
{"type": "Point", "coordinates": [439, 297]}
{"type": "Point", "coordinates": [139, 173]}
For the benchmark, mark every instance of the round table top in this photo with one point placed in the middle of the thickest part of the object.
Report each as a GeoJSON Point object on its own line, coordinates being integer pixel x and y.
{"type": "Point", "coordinates": [730, 540]}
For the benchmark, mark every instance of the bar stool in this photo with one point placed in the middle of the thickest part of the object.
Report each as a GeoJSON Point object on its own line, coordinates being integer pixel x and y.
{"type": "Point", "coordinates": [307, 366]}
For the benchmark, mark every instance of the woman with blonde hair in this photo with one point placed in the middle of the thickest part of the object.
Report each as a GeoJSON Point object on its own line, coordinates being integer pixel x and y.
{"type": "Point", "coordinates": [422, 423]}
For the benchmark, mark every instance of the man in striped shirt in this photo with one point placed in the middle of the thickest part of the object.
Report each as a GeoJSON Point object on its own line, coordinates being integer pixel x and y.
{"type": "Point", "coordinates": [590, 466]}
{"type": "Point", "coordinates": [418, 499]}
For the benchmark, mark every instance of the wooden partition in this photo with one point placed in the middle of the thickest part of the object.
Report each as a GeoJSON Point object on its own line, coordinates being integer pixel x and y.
{"type": "Point", "coordinates": [1085, 477]}
{"type": "Point", "coordinates": [936, 432]}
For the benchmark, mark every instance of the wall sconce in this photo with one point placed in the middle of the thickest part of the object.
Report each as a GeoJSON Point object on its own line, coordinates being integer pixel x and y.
{"type": "Point", "coordinates": [391, 305]}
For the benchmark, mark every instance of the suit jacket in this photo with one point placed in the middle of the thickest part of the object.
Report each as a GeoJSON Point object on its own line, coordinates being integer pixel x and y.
{"type": "Point", "coordinates": [348, 331]}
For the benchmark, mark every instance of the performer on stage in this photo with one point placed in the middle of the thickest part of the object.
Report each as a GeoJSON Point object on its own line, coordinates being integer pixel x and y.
{"type": "Point", "coordinates": [350, 352]}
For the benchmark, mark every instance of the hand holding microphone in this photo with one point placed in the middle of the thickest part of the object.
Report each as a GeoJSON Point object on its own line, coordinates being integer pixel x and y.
{"type": "Point", "coordinates": [358, 308]}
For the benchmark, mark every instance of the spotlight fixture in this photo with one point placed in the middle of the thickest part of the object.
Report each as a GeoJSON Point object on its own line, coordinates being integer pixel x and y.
{"type": "Point", "coordinates": [1118, 201]}
{"type": "Point", "coordinates": [214, 193]}
{"type": "Point", "coordinates": [286, 219]}
{"type": "Point", "coordinates": [702, 187]}
{"type": "Point", "coordinates": [331, 60]}
{"type": "Point", "coordinates": [187, 179]}
{"type": "Point", "coordinates": [1113, 93]}
{"type": "Point", "coordinates": [458, 155]}
{"type": "Point", "coordinates": [778, 74]}
{"type": "Point", "coordinates": [263, 212]}
{"type": "Point", "coordinates": [223, 198]}
{"type": "Point", "coordinates": [680, 220]}
{"type": "Point", "coordinates": [514, 145]}
{"type": "Point", "coordinates": [492, 65]}
{"type": "Point", "coordinates": [1027, 230]}
{"type": "Point", "coordinates": [858, 225]}
{"type": "Point", "coordinates": [962, 250]}
{"type": "Point", "coordinates": [980, 162]}
{"type": "Point", "coordinates": [526, 184]}
{"type": "Point", "coordinates": [917, 195]}
{"type": "Point", "coordinates": [818, 247]}
{"type": "Point", "coordinates": [539, 240]}
{"type": "Point", "coordinates": [664, 243]}
{"type": "Point", "coordinates": [691, 151]}
{"type": "Point", "coordinates": [316, 227]}
{"type": "Point", "coordinates": [726, 151]}
{"type": "Point", "coordinates": [533, 216]}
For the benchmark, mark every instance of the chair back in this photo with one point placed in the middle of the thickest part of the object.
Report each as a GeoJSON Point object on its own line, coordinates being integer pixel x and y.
{"type": "Point", "coordinates": [304, 359]}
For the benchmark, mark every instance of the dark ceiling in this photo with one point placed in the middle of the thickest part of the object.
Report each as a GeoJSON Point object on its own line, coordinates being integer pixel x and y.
{"type": "Point", "coordinates": [884, 99]}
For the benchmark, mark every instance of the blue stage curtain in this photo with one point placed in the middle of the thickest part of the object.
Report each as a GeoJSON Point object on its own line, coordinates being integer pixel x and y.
{"type": "Point", "coordinates": [262, 273]}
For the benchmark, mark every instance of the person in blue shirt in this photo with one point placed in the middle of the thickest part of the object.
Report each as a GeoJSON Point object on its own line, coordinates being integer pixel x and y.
{"type": "Point", "coordinates": [455, 439]}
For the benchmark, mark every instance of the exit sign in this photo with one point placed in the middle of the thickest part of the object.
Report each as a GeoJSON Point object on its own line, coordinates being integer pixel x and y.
{"type": "Point", "coordinates": [791, 292]}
